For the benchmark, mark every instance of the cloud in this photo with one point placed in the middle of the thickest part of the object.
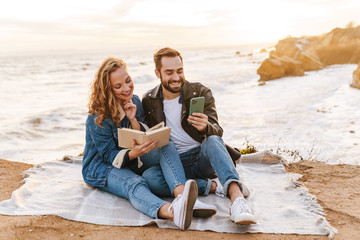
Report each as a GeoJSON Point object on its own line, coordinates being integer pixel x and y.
{"type": "Point", "coordinates": [118, 26]}
{"type": "Point", "coordinates": [134, 23]}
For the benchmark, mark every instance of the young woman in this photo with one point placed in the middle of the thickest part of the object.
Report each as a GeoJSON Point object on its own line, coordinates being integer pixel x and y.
{"type": "Point", "coordinates": [117, 170]}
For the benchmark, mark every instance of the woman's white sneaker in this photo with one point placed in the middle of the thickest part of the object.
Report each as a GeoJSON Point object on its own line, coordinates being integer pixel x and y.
{"type": "Point", "coordinates": [241, 213]}
{"type": "Point", "coordinates": [182, 206]}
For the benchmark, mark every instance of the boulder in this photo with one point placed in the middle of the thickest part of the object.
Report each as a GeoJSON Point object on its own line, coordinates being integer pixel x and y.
{"type": "Point", "coordinates": [290, 58]}
{"type": "Point", "coordinates": [263, 50]}
{"type": "Point", "coordinates": [286, 47]}
{"type": "Point", "coordinates": [294, 56]}
{"type": "Point", "coordinates": [340, 46]}
{"type": "Point", "coordinates": [277, 67]}
{"type": "Point", "coordinates": [356, 78]}
{"type": "Point", "coordinates": [309, 61]}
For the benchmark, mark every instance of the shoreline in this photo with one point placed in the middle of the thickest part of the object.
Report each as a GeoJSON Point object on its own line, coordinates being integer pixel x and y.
{"type": "Point", "coordinates": [336, 187]}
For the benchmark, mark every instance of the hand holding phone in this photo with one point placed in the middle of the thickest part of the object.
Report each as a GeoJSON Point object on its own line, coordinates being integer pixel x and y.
{"type": "Point", "coordinates": [197, 107]}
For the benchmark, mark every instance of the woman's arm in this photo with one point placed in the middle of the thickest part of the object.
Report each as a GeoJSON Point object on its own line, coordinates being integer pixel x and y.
{"type": "Point", "coordinates": [103, 139]}
{"type": "Point", "coordinates": [130, 111]}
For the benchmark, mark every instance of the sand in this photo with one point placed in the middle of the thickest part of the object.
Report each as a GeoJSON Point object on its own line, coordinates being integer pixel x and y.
{"type": "Point", "coordinates": [337, 188]}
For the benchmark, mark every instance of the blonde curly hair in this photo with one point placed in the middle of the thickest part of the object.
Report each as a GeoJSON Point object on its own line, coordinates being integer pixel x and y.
{"type": "Point", "coordinates": [102, 100]}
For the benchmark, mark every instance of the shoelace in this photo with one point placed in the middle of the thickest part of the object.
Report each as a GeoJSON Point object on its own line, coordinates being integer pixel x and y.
{"type": "Point", "coordinates": [171, 208]}
{"type": "Point", "coordinates": [242, 205]}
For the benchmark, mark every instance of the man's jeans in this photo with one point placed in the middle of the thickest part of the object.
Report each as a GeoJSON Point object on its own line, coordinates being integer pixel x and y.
{"type": "Point", "coordinates": [129, 184]}
{"type": "Point", "coordinates": [201, 164]}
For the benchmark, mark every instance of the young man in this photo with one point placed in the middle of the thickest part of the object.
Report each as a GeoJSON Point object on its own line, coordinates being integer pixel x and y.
{"type": "Point", "coordinates": [197, 138]}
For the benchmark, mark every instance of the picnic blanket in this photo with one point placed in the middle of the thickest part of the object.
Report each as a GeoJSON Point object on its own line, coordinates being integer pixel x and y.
{"type": "Point", "coordinates": [280, 203]}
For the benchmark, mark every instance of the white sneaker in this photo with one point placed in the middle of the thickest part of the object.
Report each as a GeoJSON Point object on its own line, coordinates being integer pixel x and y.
{"type": "Point", "coordinates": [183, 205]}
{"type": "Point", "coordinates": [203, 210]}
{"type": "Point", "coordinates": [240, 212]}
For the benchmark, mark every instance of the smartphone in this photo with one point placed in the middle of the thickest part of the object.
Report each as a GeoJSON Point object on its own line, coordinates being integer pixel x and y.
{"type": "Point", "coordinates": [196, 105]}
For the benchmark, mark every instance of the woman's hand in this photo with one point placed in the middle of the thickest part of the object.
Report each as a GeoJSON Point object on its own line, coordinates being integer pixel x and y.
{"type": "Point", "coordinates": [130, 112]}
{"type": "Point", "coordinates": [141, 149]}
{"type": "Point", "coordinates": [199, 121]}
{"type": "Point", "coordinates": [129, 109]}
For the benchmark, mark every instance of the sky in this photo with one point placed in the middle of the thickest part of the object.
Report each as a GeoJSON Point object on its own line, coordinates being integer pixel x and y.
{"type": "Point", "coordinates": [43, 25]}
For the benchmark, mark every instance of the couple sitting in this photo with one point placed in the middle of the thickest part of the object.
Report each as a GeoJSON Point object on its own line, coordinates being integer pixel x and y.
{"type": "Point", "coordinates": [186, 167]}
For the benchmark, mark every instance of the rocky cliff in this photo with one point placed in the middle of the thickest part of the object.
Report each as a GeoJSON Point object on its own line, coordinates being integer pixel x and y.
{"type": "Point", "coordinates": [294, 56]}
{"type": "Point", "coordinates": [356, 78]}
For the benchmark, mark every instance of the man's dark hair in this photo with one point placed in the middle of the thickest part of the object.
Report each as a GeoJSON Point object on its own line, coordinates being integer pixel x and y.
{"type": "Point", "coordinates": [165, 52]}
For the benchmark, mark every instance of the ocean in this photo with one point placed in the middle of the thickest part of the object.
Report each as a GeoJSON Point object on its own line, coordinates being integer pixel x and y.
{"type": "Point", "coordinates": [44, 96]}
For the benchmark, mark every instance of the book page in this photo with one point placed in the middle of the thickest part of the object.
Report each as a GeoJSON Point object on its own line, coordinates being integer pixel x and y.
{"type": "Point", "coordinates": [131, 130]}
{"type": "Point", "coordinates": [161, 134]}
{"type": "Point", "coordinates": [158, 132]}
{"type": "Point", "coordinates": [157, 126]}
{"type": "Point", "coordinates": [126, 136]}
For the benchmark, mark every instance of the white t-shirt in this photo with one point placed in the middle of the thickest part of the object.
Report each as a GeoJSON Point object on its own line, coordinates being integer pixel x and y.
{"type": "Point", "coordinates": [183, 142]}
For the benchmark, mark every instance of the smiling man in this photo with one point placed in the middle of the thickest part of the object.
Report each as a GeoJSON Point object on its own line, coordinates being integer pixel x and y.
{"type": "Point", "coordinates": [199, 144]}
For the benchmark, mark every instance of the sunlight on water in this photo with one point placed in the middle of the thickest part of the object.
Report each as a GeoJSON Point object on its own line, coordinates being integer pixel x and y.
{"type": "Point", "coordinates": [44, 104]}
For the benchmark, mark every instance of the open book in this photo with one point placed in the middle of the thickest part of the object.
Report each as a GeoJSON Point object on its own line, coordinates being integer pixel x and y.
{"type": "Point", "coordinates": [158, 132]}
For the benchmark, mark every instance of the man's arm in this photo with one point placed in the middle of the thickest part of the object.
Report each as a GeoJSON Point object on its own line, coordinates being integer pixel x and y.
{"type": "Point", "coordinates": [213, 127]}
{"type": "Point", "coordinates": [207, 123]}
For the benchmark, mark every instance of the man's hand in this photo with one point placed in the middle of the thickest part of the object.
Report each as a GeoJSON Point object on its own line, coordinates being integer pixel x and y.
{"type": "Point", "coordinates": [199, 121]}
{"type": "Point", "coordinates": [138, 150]}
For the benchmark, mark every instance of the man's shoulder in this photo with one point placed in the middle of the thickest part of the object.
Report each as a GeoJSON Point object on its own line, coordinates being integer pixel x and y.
{"type": "Point", "coordinates": [147, 93]}
{"type": "Point", "coordinates": [151, 93]}
{"type": "Point", "coordinates": [197, 85]}
{"type": "Point", "coordinates": [192, 89]}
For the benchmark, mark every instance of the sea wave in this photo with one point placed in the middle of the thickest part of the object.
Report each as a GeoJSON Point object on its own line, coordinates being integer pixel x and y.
{"type": "Point", "coordinates": [44, 103]}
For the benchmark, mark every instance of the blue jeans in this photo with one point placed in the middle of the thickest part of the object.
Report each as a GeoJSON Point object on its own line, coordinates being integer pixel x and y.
{"type": "Point", "coordinates": [129, 184]}
{"type": "Point", "coordinates": [201, 164]}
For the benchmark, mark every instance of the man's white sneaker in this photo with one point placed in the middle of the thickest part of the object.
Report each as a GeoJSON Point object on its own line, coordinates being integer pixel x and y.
{"type": "Point", "coordinates": [203, 210]}
{"type": "Point", "coordinates": [240, 212]}
{"type": "Point", "coordinates": [182, 206]}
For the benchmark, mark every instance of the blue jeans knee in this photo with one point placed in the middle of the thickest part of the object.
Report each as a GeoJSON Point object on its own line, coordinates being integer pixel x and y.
{"type": "Point", "coordinates": [125, 183]}
{"type": "Point", "coordinates": [156, 181]}
{"type": "Point", "coordinates": [213, 141]}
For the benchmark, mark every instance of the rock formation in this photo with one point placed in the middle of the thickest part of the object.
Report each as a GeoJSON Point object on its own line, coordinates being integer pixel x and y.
{"type": "Point", "coordinates": [294, 56]}
{"type": "Point", "coordinates": [356, 78]}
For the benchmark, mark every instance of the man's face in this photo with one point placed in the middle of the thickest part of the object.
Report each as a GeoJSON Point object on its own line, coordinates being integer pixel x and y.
{"type": "Point", "coordinates": [171, 74]}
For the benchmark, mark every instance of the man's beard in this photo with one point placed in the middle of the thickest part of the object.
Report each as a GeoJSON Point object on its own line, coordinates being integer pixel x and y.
{"type": "Point", "coordinates": [166, 85]}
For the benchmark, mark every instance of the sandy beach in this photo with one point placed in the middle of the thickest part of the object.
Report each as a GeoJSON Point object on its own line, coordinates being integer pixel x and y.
{"type": "Point", "coordinates": [337, 188]}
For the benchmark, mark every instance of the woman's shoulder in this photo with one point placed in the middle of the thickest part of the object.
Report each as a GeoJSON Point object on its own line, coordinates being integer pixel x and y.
{"type": "Point", "coordinates": [91, 119]}
{"type": "Point", "coordinates": [135, 98]}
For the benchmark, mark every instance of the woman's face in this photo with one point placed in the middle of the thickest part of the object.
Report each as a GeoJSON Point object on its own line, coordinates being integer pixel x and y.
{"type": "Point", "coordinates": [122, 85]}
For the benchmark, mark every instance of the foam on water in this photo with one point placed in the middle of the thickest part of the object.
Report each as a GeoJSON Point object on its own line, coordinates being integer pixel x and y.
{"type": "Point", "coordinates": [43, 103]}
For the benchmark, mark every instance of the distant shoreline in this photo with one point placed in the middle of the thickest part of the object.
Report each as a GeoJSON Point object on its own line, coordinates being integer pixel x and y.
{"type": "Point", "coordinates": [112, 50]}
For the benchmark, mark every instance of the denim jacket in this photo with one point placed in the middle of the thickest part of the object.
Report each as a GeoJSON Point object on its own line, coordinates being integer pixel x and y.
{"type": "Point", "coordinates": [101, 152]}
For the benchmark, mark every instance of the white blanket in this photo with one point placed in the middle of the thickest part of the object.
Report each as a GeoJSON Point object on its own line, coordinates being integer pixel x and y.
{"type": "Point", "coordinates": [280, 203]}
